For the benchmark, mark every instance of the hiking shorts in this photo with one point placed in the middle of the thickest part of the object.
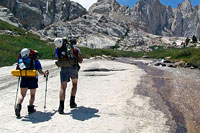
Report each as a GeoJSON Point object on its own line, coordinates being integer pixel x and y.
{"type": "Point", "coordinates": [29, 82]}
{"type": "Point", "coordinates": [68, 72]}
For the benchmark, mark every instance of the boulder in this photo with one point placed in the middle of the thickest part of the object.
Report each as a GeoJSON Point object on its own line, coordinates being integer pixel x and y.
{"type": "Point", "coordinates": [7, 16]}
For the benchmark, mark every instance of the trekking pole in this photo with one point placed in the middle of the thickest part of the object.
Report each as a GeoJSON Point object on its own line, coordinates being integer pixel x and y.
{"type": "Point", "coordinates": [17, 90]}
{"type": "Point", "coordinates": [46, 89]}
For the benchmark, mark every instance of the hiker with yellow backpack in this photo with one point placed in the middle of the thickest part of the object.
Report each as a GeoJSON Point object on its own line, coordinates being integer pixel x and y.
{"type": "Point", "coordinates": [28, 63]}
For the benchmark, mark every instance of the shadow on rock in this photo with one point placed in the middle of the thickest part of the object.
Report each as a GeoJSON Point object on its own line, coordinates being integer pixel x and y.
{"type": "Point", "coordinates": [39, 117]}
{"type": "Point", "coordinates": [84, 113]}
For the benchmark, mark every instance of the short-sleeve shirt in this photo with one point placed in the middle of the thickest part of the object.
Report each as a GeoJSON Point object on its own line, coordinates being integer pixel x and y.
{"type": "Point", "coordinates": [38, 65]}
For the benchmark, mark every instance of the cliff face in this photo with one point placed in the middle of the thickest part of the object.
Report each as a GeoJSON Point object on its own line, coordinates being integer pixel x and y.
{"type": "Point", "coordinates": [107, 23]}
{"type": "Point", "coordinates": [153, 17]}
{"type": "Point", "coordinates": [38, 14]}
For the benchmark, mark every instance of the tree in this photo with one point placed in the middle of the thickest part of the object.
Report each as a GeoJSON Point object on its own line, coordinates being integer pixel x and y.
{"type": "Point", "coordinates": [194, 39]}
{"type": "Point", "coordinates": [187, 40]}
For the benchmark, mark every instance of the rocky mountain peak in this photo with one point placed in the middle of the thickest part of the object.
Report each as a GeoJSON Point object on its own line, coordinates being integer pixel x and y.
{"type": "Point", "coordinates": [185, 6]}
{"type": "Point", "coordinates": [104, 7]}
{"type": "Point", "coordinates": [151, 13]}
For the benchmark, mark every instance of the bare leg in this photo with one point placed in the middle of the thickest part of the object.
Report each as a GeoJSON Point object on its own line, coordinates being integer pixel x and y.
{"type": "Point", "coordinates": [62, 97]}
{"type": "Point", "coordinates": [31, 101]}
{"type": "Point", "coordinates": [20, 100]}
{"type": "Point", "coordinates": [73, 93]}
{"type": "Point", "coordinates": [22, 95]}
{"type": "Point", "coordinates": [74, 87]}
{"type": "Point", "coordinates": [32, 98]}
{"type": "Point", "coordinates": [62, 90]}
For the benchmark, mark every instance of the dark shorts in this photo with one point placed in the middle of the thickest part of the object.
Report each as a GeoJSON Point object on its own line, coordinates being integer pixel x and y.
{"type": "Point", "coordinates": [68, 72]}
{"type": "Point", "coordinates": [29, 82]}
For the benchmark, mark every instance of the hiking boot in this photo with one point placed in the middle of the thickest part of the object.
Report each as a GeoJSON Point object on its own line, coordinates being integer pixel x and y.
{"type": "Point", "coordinates": [17, 110]}
{"type": "Point", "coordinates": [31, 109]}
{"type": "Point", "coordinates": [73, 105]}
{"type": "Point", "coordinates": [61, 108]}
{"type": "Point", "coordinates": [72, 102]}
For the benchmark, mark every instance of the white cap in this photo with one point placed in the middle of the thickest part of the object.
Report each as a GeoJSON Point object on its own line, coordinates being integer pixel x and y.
{"type": "Point", "coordinates": [58, 42]}
{"type": "Point", "coordinates": [24, 52]}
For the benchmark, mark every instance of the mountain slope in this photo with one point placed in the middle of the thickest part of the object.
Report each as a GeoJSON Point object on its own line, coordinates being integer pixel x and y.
{"type": "Point", "coordinates": [13, 39]}
{"type": "Point", "coordinates": [107, 23]}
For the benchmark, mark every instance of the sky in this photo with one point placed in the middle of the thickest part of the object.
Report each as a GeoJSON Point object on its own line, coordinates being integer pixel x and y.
{"type": "Point", "coordinates": [173, 3]}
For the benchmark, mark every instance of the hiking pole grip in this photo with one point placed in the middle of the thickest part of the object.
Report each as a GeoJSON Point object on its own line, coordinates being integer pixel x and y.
{"type": "Point", "coordinates": [47, 71]}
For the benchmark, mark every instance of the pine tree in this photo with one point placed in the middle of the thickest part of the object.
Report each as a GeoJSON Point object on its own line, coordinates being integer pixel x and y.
{"type": "Point", "coordinates": [187, 40]}
{"type": "Point", "coordinates": [194, 39]}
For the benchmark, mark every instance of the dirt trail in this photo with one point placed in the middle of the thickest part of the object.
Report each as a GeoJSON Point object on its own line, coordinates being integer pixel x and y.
{"type": "Point", "coordinates": [108, 101]}
{"type": "Point", "coordinates": [175, 91]}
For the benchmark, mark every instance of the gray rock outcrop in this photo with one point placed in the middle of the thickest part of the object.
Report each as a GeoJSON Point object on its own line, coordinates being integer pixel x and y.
{"type": "Point", "coordinates": [38, 14]}
{"type": "Point", "coordinates": [6, 15]}
{"type": "Point", "coordinates": [107, 23]}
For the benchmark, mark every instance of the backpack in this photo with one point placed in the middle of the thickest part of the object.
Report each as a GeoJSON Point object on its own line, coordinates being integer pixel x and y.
{"type": "Point", "coordinates": [66, 54]}
{"type": "Point", "coordinates": [26, 62]}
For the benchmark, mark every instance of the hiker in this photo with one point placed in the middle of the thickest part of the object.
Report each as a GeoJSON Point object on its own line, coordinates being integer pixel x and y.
{"type": "Point", "coordinates": [68, 56]}
{"type": "Point", "coordinates": [30, 83]}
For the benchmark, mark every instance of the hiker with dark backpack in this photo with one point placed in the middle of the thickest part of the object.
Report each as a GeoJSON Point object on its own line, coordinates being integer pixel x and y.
{"type": "Point", "coordinates": [68, 57]}
{"type": "Point", "coordinates": [28, 60]}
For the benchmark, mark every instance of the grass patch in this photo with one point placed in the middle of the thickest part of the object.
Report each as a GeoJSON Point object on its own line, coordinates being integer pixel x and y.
{"type": "Point", "coordinates": [10, 45]}
{"type": "Point", "coordinates": [6, 26]}
{"type": "Point", "coordinates": [190, 55]}
{"type": "Point", "coordinates": [87, 53]}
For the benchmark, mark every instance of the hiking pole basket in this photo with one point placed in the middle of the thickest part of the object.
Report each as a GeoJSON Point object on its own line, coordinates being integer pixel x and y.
{"type": "Point", "coordinates": [46, 89]}
{"type": "Point", "coordinates": [17, 90]}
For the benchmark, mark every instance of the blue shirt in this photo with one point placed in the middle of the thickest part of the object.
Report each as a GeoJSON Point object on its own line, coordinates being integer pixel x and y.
{"type": "Point", "coordinates": [38, 65]}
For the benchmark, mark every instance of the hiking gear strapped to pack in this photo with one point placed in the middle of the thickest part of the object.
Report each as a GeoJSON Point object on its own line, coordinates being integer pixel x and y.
{"type": "Point", "coordinates": [66, 54]}
{"type": "Point", "coordinates": [25, 53]}
{"type": "Point", "coordinates": [46, 89]}
{"type": "Point", "coordinates": [72, 41]}
{"type": "Point", "coordinates": [58, 42]}
{"type": "Point", "coordinates": [26, 63]}
{"type": "Point", "coordinates": [26, 59]}
{"type": "Point", "coordinates": [24, 73]}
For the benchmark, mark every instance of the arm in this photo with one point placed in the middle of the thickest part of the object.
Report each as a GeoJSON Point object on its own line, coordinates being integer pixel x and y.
{"type": "Point", "coordinates": [43, 73]}
{"type": "Point", "coordinates": [39, 68]}
{"type": "Point", "coordinates": [80, 58]}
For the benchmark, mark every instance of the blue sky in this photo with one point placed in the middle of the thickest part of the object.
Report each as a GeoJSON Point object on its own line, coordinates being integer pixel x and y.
{"type": "Point", "coordinates": [173, 3]}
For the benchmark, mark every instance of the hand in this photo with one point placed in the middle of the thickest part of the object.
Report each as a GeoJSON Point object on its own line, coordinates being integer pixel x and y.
{"type": "Point", "coordinates": [46, 73]}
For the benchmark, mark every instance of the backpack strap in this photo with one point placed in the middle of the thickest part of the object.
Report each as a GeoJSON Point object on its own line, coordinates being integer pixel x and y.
{"type": "Point", "coordinates": [18, 57]}
{"type": "Point", "coordinates": [75, 52]}
{"type": "Point", "coordinates": [32, 54]}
